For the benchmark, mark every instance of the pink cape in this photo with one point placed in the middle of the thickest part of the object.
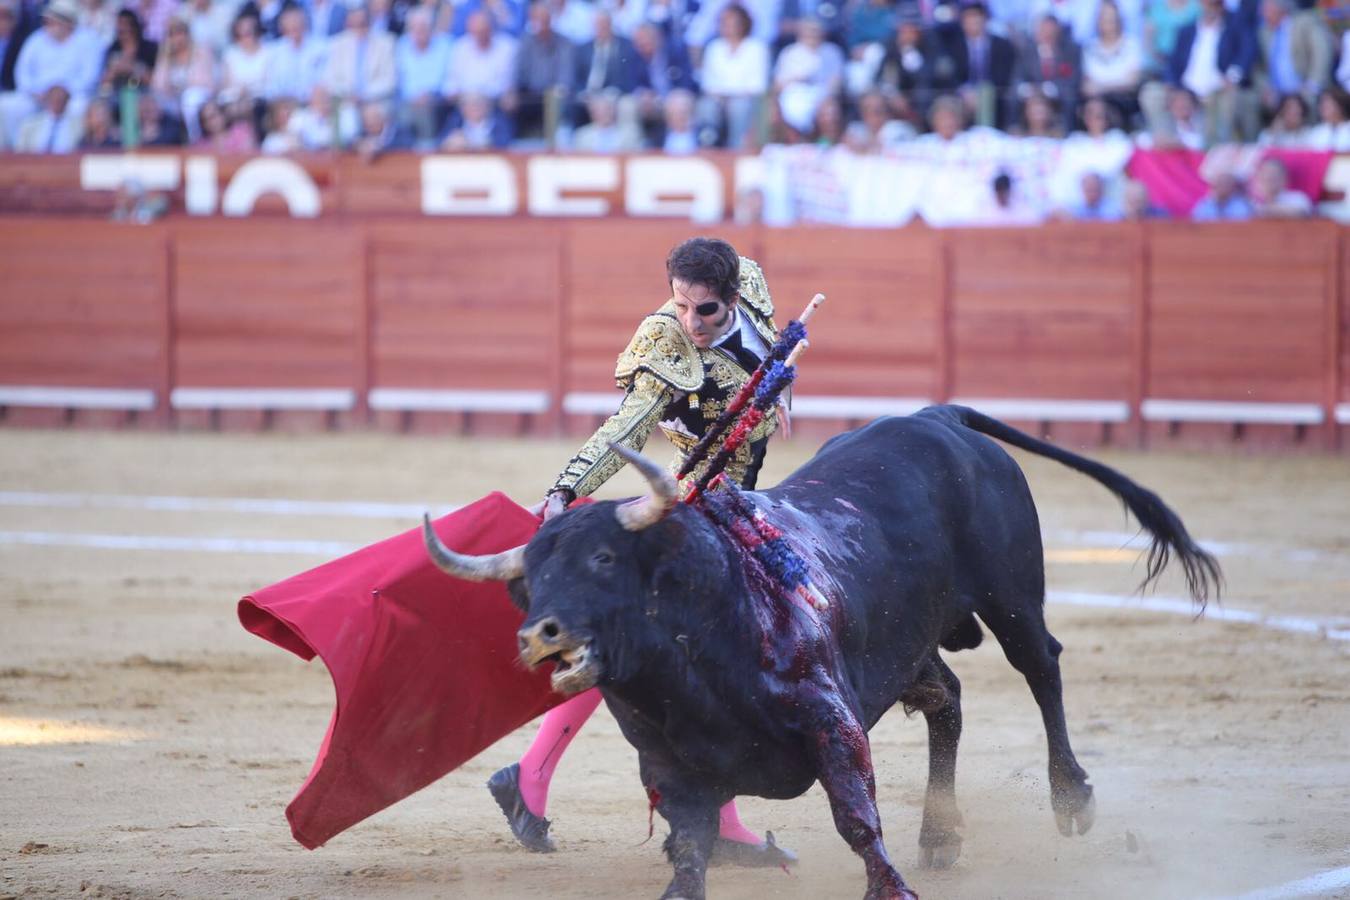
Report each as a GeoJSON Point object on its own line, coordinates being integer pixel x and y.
{"type": "Point", "coordinates": [424, 665]}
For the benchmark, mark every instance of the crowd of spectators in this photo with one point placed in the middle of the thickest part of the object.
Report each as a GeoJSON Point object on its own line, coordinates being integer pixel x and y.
{"type": "Point", "coordinates": [279, 76]}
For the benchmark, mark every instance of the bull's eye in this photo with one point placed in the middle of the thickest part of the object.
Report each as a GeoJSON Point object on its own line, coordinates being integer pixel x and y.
{"type": "Point", "coordinates": [602, 557]}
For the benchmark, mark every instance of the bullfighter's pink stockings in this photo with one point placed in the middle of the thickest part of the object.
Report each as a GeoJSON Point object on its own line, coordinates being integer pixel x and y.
{"type": "Point", "coordinates": [559, 727]}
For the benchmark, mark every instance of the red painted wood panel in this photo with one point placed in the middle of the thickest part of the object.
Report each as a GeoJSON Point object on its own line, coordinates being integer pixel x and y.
{"type": "Point", "coordinates": [1044, 313]}
{"type": "Point", "coordinates": [82, 304]}
{"type": "Point", "coordinates": [878, 334]}
{"type": "Point", "coordinates": [465, 305]}
{"type": "Point", "coordinates": [269, 304]}
{"type": "Point", "coordinates": [1239, 312]}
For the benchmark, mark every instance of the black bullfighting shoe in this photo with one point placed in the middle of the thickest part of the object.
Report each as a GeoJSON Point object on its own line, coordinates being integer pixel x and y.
{"type": "Point", "coordinates": [767, 854]}
{"type": "Point", "coordinates": [529, 829]}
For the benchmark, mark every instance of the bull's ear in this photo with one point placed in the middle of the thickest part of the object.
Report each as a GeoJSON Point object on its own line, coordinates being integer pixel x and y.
{"type": "Point", "coordinates": [519, 594]}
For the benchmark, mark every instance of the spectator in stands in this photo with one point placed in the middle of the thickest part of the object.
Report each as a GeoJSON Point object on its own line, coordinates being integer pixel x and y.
{"type": "Point", "coordinates": [807, 72]}
{"type": "Point", "coordinates": [982, 65]}
{"type": "Point", "coordinates": [360, 64]}
{"type": "Point", "coordinates": [681, 134]}
{"type": "Point", "coordinates": [184, 76]}
{"type": "Point", "coordinates": [387, 17]}
{"type": "Point", "coordinates": [1053, 65]}
{"type": "Point", "coordinates": [872, 22]}
{"type": "Point", "coordinates": [507, 17]}
{"type": "Point", "coordinates": [57, 55]}
{"type": "Point", "coordinates": [479, 127]}
{"type": "Point", "coordinates": [1343, 70]}
{"type": "Point", "coordinates": [326, 19]}
{"type": "Point", "coordinates": [1272, 197]}
{"type": "Point", "coordinates": [1079, 19]}
{"type": "Point", "coordinates": [1213, 59]}
{"type": "Point", "coordinates": [542, 86]}
{"type": "Point", "coordinates": [1296, 51]}
{"type": "Point", "coordinates": [155, 16]}
{"type": "Point", "coordinates": [1333, 130]}
{"type": "Point", "coordinates": [1289, 127]}
{"type": "Point", "coordinates": [880, 131]}
{"type": "Point", "coordinates": [423, 62]}
{"type": "Point", "coordinates": [244, 62]}
{"type": "Point", "coordinates": [574, 20]}
{"type": "Point", "coordinates": [1166, 18]}
{"type": "Point", "coordinates": [99, 18]}
{"type": "Point", "coordinates": [735, 78]}
{"type": "Point", "coordinates": [281, 136]}
{"type": "Point", "coordinates": [323, 124]}
{"type": "Point", "coordinates": [99, 130]}
{"type": "Point", "coordinates": [129, 58]}
{"type": "Point", "coordinates": [482, 61]}
{"type": "Point", "coordinates": [1224, 202]}
{"type": "Point", "coordinates": [947, 119]}
{"type": "Point", "coordinates": [606, 61]}
{"type": "Point", "coordinates": [220, 134]}
{"type": "Point", "coordinates": [1094, 204]}
{"type": "Point", "coordinates": [1100, 146]}
{"type": "Point", "coordinates": [662, 67]}
{"type": "Point", "coordinates": [378, 134]}
{"type": "Point", "coordinates": [1137, 205]}
{"type": "Point", "coordinates": [12, 34]}
{"type": "Point", "coordinates": [1039, 118]}
{"type": "Point", "coordinates": [907, 69]}
{"type": "Point", "coordinates": [210, 22]}
{"type": "Point", "coordinates": [1004, 206]}
{"type": "Point", "coordinates": [605, 132]}
{"type": "Point", "coordinates": [828, 128]}
{"type": "Point", "coordinates": [157, 127]}
{"type": "Point", "coordinates": [269, 14]}
{"type": "Point", "coordinates": [773, 23]}
{"type": "Point", "coordinates": [48, 129]}
{"type": "Point", "coordinates": [294, 60]}
{"type": "Point", "coordinates": [1113, 63]}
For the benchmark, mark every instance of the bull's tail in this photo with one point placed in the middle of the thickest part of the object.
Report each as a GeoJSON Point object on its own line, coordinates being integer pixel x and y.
{"type": "Point", "coordinates": [1168, 534]}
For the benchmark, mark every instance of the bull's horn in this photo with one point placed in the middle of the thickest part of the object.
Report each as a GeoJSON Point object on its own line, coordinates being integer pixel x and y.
{"type": "Point", "coordinates": [492, 567]}
{"type": "Point", "coordinates": [648, 510]}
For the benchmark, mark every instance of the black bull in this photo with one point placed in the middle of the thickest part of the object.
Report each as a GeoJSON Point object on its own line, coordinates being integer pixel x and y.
{"type": "Point", "coordinates": [912, 527]}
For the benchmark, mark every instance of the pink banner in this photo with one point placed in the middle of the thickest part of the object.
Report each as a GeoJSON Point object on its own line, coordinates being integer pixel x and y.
{"type": "Point", "coordinates": [1177, 179]}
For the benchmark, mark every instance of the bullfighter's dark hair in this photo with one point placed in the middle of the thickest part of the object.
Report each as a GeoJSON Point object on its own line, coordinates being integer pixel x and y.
{"type": "Point", "coordinates": [710, 262]}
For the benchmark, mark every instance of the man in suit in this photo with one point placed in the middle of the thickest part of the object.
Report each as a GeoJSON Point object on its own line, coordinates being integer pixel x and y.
{"type": "Point", "coordinates": [1052, 62]}
{"type": "Point", "coordinates": [1296, 52]}
{"type": "Point", "coordinates": [1213, 58]}
{"type": "Point", "coordinates": [607, 63]}
{"type": "Point", "coordinates": [360, 65]}
{"type": "Point", "coordinates": [979, 65]}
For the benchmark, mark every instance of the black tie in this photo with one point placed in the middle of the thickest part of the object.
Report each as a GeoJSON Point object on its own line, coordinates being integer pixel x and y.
{"type": "Point", "coordinates": [747, 359]}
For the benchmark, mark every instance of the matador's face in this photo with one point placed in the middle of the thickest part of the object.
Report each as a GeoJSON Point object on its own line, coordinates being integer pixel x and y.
{"type": "Point", "coordinates": [703, 315]}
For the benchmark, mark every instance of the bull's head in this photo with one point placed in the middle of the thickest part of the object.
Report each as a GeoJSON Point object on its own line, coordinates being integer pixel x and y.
{"type": "Point", "coordinates": [593, 581]}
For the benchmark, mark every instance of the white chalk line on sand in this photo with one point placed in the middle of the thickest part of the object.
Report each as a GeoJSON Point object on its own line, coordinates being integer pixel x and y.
{"type": "Point", "coordinates": [371, 509]}
{"type": "Point", "coordinates": [1331, 629]}
{"type": "Point", "coordinates": [1319, 885]}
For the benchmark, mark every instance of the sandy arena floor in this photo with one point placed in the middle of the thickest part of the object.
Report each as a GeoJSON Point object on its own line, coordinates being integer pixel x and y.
{"type": "Point", "coordinates": [148, 745]}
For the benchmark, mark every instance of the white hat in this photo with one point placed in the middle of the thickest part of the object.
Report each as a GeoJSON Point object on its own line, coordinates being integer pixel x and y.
{"type": "Point", "coordinates": [63, 9]}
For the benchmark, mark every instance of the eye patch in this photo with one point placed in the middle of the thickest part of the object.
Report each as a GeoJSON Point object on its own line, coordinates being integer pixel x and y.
{"type": "Point", "coordinates": [708, 308]}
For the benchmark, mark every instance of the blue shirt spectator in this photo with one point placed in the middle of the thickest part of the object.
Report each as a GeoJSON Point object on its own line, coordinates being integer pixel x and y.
{"type": "Point", "coordinates": [1224, 202]}
{"type": "Point", "coordinates": [421, 58]}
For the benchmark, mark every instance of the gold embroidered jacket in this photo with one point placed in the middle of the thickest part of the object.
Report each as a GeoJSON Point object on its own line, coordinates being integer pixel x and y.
{"type": "Point", "coordinates": [671, 383]}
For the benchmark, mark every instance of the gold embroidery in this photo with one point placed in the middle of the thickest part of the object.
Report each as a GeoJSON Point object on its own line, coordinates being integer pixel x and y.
{"type": "Point", "coordinates": [631, 425]}
{"type": "Point", "coordinates": [661, 347]}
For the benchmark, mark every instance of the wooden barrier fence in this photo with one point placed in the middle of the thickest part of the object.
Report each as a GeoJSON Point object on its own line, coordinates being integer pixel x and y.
{"type": "Point", "coordinates": [1135, 334]}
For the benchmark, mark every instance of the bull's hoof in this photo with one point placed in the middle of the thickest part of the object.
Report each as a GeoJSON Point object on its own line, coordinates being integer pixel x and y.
{"type": "Point", "coordinates": [943, 856]}
{"type": "Point", "coordinates": [529, 829]}
{"type": "Point", "coordinates": [890, 893]}
{"type": "Point", "coordinates": [1076, 813]}
{"type": "Point", "coordinates": [767, 855]}
{"type": "Point", "coordinates": [678, 891]}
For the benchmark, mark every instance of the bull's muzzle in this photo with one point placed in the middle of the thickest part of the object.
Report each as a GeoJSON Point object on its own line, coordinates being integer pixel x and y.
{"type": "Point", "coordinates": [547, 641]}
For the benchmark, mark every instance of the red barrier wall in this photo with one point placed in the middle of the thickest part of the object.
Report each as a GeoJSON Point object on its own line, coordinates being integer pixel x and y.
{"type": "Point", "coordinates": [1116, 332]}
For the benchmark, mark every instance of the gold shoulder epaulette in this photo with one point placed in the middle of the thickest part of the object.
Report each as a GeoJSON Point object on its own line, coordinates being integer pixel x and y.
{"type": "Point", "coordinates": [755, 290]}
{"type": "Point", "coordinates": [661, 347]}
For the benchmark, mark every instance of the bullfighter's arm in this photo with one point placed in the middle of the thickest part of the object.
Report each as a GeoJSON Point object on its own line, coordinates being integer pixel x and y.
{"type": "Point", "coordinates": [594, 464]}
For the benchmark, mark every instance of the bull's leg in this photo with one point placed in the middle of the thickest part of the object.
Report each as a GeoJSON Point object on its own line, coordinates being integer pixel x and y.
{"type": "Point", "coordinates": [1034, 652]}
{"type": "Point", "coordinates": [939, 837]}
{"type": "Point", "coordinates": [693, 829]}
{"type": "Point", "coordinates": [844, 766]}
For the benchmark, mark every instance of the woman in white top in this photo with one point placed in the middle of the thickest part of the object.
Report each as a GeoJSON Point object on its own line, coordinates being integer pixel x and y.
{"type": "Point", "coordinates": [1113, 63]}
{"type": "Point", "coordinates": [1289, 126]}
{"type": "Point", "coordinates": [245, 59]}
{"type": "Point", "coordinates": [734, 76]}
{"type": "Point", "coordinates": [1333, 131]}
{"type": "Point", "coordinates": [184, 76]}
